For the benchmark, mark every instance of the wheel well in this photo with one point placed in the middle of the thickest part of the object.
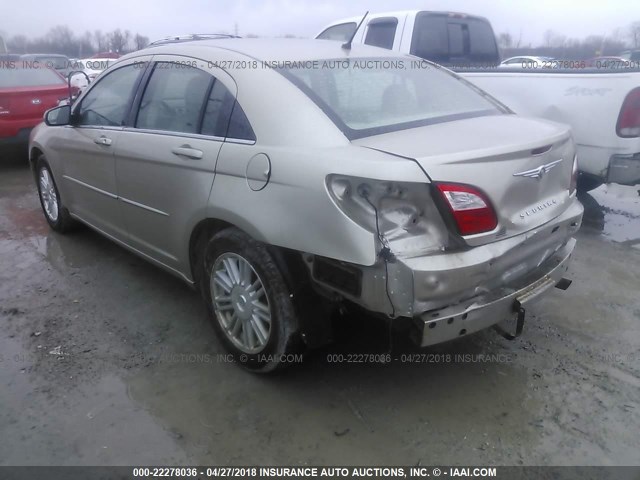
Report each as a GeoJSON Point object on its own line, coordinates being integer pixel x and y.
{"type": "Point", "coordinates": [289, 260]}
{"type": "Point", "coordinates": [33, 158]}
{"type": "Point", "coordinates": [200, 234]}
{"type": "Point", "coordinates": [311, 310]}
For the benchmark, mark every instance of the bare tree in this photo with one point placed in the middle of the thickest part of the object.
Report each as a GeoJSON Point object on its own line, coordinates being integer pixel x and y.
{"type": "Point", "coordinates": [140, 41]}
{"type": "Point", "coordinates": [61, 39]}
{"type": "Point", "coordinates": [119, 40]}
{"type": "Point", "coordinates": [593, 44]}
{"type": "Point", "coordinates": [548, 37]}
{"type": "Point", "coordinates": [18, 44]}
{"type": "Point", "coordinates": [553, 39]}
{"type": "Point", "coordinates": [634, 34]}
{"type": "Point", "coordinates": [85, 45]}
{"type": "Point", "coordinates": [505, 40]}
{"type": "Point", "coordinates": [3, 46]}
{"type": "Point", "coordinates": [101, 41]}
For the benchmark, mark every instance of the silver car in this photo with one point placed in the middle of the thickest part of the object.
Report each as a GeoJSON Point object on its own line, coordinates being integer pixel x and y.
{"type": "Point", "coordinates": [282, 178]}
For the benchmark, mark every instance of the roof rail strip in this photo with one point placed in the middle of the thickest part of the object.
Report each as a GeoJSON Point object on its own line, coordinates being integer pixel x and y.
{"type": "Point", "coordinates": [191, 37]}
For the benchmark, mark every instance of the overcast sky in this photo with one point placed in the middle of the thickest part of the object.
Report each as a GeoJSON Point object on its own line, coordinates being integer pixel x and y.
{"type": "Point", "coordinates": [160, 18]}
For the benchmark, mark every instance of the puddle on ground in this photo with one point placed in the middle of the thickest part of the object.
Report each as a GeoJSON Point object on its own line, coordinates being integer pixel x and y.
{"type": "Point", "coordinates": [92, 421]}
{"type": "Point", "coordinates": [348, 414]}
{"type": "Point", "coordinates": [615, 211]}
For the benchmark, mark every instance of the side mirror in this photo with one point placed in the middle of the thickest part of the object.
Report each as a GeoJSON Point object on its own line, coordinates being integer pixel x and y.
{"type": "Point", "coordinates": [77, 81]}
{"type": "Point", "coordinates": [58, 116]}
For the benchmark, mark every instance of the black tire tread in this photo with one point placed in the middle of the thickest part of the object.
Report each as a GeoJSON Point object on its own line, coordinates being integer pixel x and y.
{"type": "Point", "coordinates": [65, 222]}
{"type": "Point", "coordinates": [284, 317]}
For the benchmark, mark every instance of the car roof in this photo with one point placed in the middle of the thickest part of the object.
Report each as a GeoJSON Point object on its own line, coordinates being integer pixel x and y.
{"type": "Point", "coordinates": [48, 55]}
{"type": "Point", "coordinates": [268, 49]}
{"type": "Point", "coordinates": [530, 57]}
{"type": "Point", "coordinates": [97, 60]}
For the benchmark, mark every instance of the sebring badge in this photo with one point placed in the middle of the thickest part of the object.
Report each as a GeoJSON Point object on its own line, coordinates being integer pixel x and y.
{"type": "Point", "coordinates": [36, 101]}
{"type": "Point", "coordinates": [538, 172]}
{"type": "Point", "coordinates": [538, 208]}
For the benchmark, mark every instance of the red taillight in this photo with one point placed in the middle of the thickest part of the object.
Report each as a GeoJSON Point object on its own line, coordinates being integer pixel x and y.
{"type": "Point", "coordinates": [629, 119]}
{"type": "Point", "coordinates": [470, 208]}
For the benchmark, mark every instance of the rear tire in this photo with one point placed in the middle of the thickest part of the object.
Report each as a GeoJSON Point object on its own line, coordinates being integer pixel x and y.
{"type": "Point", "coordinates": [249, 303]}
{"type": "Point", "coordinates": [56, 214]}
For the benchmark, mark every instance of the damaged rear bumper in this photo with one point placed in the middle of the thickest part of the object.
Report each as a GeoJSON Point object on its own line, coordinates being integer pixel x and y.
{"type": "Point", "coordinates": [448, 323]}
{"type": "Point", "coordinates": [459, 292]}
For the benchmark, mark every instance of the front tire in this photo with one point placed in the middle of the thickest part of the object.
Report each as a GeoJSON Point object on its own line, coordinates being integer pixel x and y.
{"type": "Point", "coordinates": [249, 302]}
{"type": "Point", "coordinates": [55, 212]}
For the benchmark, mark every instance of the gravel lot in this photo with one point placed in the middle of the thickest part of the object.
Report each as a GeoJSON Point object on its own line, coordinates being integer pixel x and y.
{"type": "Point", "coordinates": [105, 359]}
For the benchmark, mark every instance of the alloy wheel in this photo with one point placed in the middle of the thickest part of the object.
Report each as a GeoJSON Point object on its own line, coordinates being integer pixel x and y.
{"type": "Point", "coordinates": [241, 303]}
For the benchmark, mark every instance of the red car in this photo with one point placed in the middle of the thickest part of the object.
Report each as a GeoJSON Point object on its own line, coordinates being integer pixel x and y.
{"type": "Point", "coordinates": [25, 94]}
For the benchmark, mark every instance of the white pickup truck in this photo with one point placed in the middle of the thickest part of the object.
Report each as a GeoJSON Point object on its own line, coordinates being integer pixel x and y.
{"type": "Point", "coordinates": [602, 105]}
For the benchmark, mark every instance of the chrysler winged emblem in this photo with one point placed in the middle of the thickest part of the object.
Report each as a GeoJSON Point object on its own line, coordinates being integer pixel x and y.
{"type": "Point", "coordinates": [538, 172]}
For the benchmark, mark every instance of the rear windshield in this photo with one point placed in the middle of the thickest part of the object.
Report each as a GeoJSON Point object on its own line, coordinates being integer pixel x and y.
{"type": "Point", "coordinates": [370, 96]}
{"type": "Point", "coordinates": [454, 41]}
{"type": "Point", "coordinates": [28, 77]}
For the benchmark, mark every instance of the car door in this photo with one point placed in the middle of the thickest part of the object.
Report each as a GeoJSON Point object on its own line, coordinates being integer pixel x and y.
{"type": "Point", "coordinates": [166, 158]}
{"type": "Point", "coordinates": [87, 149]}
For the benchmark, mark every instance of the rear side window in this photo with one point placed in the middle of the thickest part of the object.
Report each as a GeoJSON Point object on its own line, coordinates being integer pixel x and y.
{"type": "Point", "coordinates": [107, 103]}
{"type": "Point", "coordinates": [224, 117]}
{"type": "Point", "coordinates": [174, 98]}
{"type": "Point", "coordinates": [28, 77]}
{"type": "Point", "coordinates": [340, 32]}
{"type": "Point", "coordinates": [454, 41]}
{"type": "Point", "coordinates": [381, 32]}
{"type": "Point", "coordinates": [239, 126]}
{"type": "Point", "coordinates": [217, 111]}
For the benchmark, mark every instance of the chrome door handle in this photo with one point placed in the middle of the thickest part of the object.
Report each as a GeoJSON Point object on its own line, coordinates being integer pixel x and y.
{"type": "Point", "coordinates": [187, 151]}
{"type": "Point", "coordinates": [102, 141]}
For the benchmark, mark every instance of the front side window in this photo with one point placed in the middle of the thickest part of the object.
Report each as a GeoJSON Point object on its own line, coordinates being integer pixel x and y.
{"type": "Point", "coordinates": [174, 98]}
{"type": "Point", "coordinates": [186, 99]}
{"type": "Point", "coordinates": [381, 32]}
{"type": "Point", "coordinates": [107, 103]}
{"type": "Point", "coordinates": [390, 95]}
{"type": "Point", "coordinates": [340, 32]}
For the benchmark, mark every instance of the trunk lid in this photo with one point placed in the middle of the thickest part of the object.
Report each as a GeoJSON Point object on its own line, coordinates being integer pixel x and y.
{"type": "Point", "coordinates": [522, 165]}
{"type": "Point", "coordinates": [19, 103]}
